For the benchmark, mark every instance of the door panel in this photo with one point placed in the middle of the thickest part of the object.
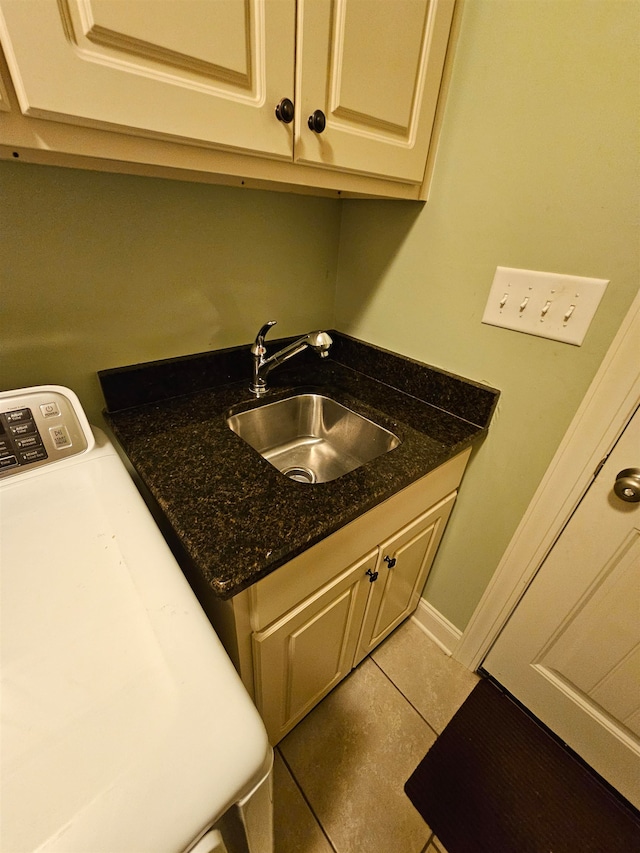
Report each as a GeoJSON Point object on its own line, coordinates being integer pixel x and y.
{"type": "Point", "coordinates": [571, 650]}
{"type": "Point", "coordinates": [385, 102]}
{"type": "Point", "coordinates": [604, 678]}
{"type": "Point", "coordinates": [158, 29]}
{"type": "Point", "coordinates": [374, 68]}
{"type": "Point", "coordinates": [303, 655]}
{"type": "Point", "coordinates": [208, 72]}
{"type": "Point", "coordinates": [403, 565]}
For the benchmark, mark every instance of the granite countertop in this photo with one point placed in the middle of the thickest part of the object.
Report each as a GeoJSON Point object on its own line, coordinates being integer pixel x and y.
{"type": "Point", "coordinates": [227, 510]}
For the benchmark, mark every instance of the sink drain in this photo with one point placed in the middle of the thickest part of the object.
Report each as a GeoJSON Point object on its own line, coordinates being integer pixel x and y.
{"type": "Point", "coordinates": [299, 474]}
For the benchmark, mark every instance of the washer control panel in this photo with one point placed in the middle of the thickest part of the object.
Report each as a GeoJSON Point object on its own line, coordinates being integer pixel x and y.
{"type": "Point", "coordinates": [39, 426]}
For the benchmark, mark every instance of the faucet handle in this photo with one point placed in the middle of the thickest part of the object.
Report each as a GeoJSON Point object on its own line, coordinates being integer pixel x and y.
{"type": "Point", "coordinates": [258, 346]}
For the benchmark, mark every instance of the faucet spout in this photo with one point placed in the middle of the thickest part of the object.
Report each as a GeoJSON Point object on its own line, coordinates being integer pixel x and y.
{"type": "Point", "coordinates": [318, 341]}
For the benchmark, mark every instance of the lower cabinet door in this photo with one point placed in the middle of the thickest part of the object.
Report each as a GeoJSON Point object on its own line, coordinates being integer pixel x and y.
{"type": "Point", "coordinates": [403, 564]}
{"type": "Point", "coordinates": [302, 656]}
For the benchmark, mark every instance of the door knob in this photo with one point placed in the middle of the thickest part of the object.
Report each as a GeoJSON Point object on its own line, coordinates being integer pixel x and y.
{"type": "Point", "coordinates": [317, 121]}
{"type": "Point", "coordinates": [390, 561]}
{"type": "Point", "coordinates": [627, 485]}
{"type": "Point", "coordinates": [284, 111]}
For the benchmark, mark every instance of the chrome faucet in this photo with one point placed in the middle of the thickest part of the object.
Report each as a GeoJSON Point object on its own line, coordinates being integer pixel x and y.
{"type": "Point", "coordinates": [318, 341]}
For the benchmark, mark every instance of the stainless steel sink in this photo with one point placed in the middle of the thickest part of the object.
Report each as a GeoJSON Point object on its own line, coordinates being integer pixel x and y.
{"type": "Point", "coordinates": [312, 438]}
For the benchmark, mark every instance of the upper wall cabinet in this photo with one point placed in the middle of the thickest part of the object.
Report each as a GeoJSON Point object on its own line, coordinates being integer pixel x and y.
{"type": "Point", "coordinates": [327, 94]}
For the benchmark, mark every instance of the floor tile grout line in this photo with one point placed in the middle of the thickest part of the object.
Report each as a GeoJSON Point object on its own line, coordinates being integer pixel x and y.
{"type": "Point", "coordinates": [425, 849]}
{"type": "Point", "coordinates": [304, 797]}
{"type": "Point", "coordinates": [431, 836]}
{"type": "Point", "coordinates": [406, 698]}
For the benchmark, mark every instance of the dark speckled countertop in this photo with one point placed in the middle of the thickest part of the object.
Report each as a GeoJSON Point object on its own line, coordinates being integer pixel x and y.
{"type": "Point", "coordinates": [227, 510]}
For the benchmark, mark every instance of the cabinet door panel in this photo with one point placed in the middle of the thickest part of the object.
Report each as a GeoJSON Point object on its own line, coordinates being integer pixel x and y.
{"type": "Point", "coordinates": [396, 593]}
{"type": "Point", "coordinates": [320, 642]}
{"type": "Point", "coordinates": [208, 72]}
{"type": "Point", "coordinates": [302, 656]}
{"type": "Point", "coordinates": [374, 68]}
{"type": "Point", "coordinates": [215, 38]}
{"type": "Point", "coordinates": [386, 102]}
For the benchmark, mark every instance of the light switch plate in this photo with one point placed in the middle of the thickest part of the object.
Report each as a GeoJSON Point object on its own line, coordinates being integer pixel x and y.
{"type": "Point", "coordinates": [549, 305]}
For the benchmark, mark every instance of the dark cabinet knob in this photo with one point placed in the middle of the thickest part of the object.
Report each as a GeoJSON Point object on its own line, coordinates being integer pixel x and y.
{"type": "Point", "coordinates": [317, 121]}
{"type": "Point", "coordinates": [284, 111]}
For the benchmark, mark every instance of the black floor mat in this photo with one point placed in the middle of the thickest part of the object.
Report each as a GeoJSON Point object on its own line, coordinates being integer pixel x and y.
{"type": "Point", "coordinates": [495, 781]}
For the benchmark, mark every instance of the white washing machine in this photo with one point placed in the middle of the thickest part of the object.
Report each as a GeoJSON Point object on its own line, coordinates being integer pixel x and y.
{"type": "Point", "coordinates": [125, 727]}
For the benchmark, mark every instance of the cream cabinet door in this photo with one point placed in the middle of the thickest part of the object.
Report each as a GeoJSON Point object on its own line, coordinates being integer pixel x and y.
{"type": "Point", "coordinates": [206, 71]}
{"type": "Point", "coordinates": [403, 564]}
{"type": "Point", "coordinates": [303, 655]}
{"type": "Point", "coordinates": [374, 68]}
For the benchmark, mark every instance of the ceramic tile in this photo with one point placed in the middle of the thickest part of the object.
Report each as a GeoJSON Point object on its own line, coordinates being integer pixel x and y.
{"type": "Point", "coordinates": [351, 757]}
{"type": "Point", "coordinates": [434, 683]}
{"type": "Point", "coordinates": [295, 828]}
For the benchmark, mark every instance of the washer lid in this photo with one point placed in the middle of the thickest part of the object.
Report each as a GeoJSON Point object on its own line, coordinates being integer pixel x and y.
{"type": "Point", "coordinates": [125, 726]}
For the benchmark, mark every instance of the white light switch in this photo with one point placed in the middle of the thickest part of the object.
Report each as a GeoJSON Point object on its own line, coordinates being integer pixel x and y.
{"type": "Point", "coordinates": [546, 304]}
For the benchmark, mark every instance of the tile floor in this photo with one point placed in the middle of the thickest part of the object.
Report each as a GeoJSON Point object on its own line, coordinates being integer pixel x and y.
{"type": "Point", "coordinates": [340, 774]}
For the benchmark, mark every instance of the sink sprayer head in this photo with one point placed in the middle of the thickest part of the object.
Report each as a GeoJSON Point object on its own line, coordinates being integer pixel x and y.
{"type": "Point", "coordinates": [320, 342]}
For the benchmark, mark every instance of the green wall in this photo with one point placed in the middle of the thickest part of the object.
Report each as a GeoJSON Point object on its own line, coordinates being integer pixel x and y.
{"type": "Point", "coordinates": [100, 270]}
{"type": "Point", "coordinates": [537, 168]}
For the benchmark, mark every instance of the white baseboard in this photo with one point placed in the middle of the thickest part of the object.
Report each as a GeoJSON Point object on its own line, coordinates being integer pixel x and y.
{"type": "Point", "coordinates": [436, 626]}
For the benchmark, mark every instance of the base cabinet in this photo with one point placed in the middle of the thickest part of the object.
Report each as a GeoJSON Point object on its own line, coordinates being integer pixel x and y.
{"type": "Point", "coordinates": [303, 655]}
{"type": "Point", "coordinates": [296, 633]}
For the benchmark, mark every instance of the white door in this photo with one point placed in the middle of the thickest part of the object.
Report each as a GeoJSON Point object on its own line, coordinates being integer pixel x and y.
{"type": "Point", "coordinates": [209, 72]}
{"type": "Point", "coordinates": [571, 650]}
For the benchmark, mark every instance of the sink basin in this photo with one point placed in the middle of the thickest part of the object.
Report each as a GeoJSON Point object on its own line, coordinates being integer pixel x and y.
{"type": "Point", "coordinates": [312, 438]}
